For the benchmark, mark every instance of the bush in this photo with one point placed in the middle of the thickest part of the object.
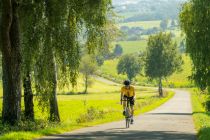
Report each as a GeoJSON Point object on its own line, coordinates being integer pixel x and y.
{"type": "Point", "coordinates": [207, 105]}
{"type": "Point", "coordinates": [91, 114]}
{"type": "Point", "coordinates": [25, 125]}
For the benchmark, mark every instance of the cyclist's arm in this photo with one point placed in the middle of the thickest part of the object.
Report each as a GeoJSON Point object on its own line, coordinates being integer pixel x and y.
{"type": "Point", "coordinates": [121, 97]}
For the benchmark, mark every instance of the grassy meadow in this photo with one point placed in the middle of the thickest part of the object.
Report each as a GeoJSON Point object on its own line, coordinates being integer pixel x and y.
{"type": "Point", "coordinates": [101, 105]}
{"type": "Point", "coordinates": [201, 116]}
{"type": "Point", "coordinates": [179, 79]}
{"type": "Point", "coordinates": [132, 46]}
{"type": "Point", "coordinates": [143, 24]}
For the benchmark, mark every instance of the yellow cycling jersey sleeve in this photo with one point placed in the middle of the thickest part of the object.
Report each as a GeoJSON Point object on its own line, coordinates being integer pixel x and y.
{"type": "Point", "coordinates": [129, 92]}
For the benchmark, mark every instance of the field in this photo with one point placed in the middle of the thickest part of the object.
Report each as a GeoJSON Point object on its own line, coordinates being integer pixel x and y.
{"type": "Point", "coordinates": [132, 46]}
{"type": "Point", "coordinates": [143, 24]}
{"type": "Point", "coordinates": [201, 116]}
{"type": "Point", "coordinates": [81, 110]}
{"type": "Point", "coordinates": [179, 79]}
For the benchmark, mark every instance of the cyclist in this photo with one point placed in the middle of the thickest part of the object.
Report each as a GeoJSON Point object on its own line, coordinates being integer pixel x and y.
{"type": "Point", "coordinates": [128, 92]}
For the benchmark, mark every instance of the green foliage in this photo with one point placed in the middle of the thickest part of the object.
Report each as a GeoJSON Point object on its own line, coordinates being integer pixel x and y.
{"type": "Point", "coordinates": [195, 22]}
{"type": "Point", "coordinates": [129, 65]}
{"type": "Point", "coordinates": [162, 58]}
{"type": "Point", "coordinates": [25, 126]}
{"type": "Point", "coordinates": [87, 68]}
{"type": "Point", "coordinates": [118, 50]}
{"type": "Point", "coordinates": [201, 116]}
{"type": "Point", "coordinates": [88, 65]}
{"type": "Point", "coordinates": [0, 24]}
{"type": "Point", "coordinates": [91, 114]}
{"type": "Point", "coordinates": [100, 60]}
{"type": "Point", "coordinates": [50, 32]}
{"type": "Point", "coordinates": [109, 70]}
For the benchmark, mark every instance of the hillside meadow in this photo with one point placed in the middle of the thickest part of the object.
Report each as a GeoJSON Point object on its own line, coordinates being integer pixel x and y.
{"type": "Point", "coordinates": [178, 79]}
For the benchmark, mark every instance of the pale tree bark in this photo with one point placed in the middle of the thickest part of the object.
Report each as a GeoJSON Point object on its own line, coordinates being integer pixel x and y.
{"type": "Point", "coordinates": [54, 112]}
{"type": "Point", "coordinates": [11, 62]}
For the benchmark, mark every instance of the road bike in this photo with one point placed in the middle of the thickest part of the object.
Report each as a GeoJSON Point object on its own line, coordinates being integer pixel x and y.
{"type": "Point", "coordinates": [127, 113]}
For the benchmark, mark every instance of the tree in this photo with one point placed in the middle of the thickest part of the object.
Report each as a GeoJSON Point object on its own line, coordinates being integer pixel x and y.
{"type": "Point", "coordinates": [194, 21]}
{"type": "Point", "coordinates": [118, 50]}
{"type": "Point", "coordinates": [11, 62]}
{"type": "Point", "coordinates": [100, 60]}
{"type": "Point", "coordinates": [164, 24]}
{"type": "Point", "coordinates": [129, 65]}
{"type": "Point", "coordinates": [57, 44]}
{"type": "Point", "coordinates": [87, 68]}
{"type": "Point", "coordinates": [31, 32]}
{"type": "Point", "coordinates": [162, 58]}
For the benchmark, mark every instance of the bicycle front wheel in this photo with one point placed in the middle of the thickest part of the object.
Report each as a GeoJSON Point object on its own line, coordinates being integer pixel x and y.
{"type": "Point", "coordinates": [127, 120]}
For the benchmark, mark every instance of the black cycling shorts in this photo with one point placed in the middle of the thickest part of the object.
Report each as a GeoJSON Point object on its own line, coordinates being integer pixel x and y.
{"type": "Point", "coordinates": [130, 100]}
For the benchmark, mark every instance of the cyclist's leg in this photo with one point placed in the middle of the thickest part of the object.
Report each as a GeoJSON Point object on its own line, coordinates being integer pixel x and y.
{"type": "Point", "coordinates": [124, 104]}
{"type": "Point", "coordinates": [132, 108]}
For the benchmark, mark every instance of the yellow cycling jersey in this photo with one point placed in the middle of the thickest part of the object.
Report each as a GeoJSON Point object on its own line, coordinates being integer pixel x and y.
{"type": "Point", "coordinates": [129, 92]}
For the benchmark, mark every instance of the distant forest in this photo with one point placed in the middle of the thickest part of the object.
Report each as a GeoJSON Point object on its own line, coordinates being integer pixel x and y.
{"type": "Point", "coordinates": [147, 10]}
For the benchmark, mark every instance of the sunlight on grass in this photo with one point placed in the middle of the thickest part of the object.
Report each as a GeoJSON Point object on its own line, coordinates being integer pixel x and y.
{"type": "Point", "coordinates": [143, 24]}
{"type": "Point", "coordinates": [178, 79]}
{"type": "Point", "coordinates": [73, 107]}
{"type": "Point", "coordinates": [132, 46]}
{"type": "Point", "coordinates": [201, 117]}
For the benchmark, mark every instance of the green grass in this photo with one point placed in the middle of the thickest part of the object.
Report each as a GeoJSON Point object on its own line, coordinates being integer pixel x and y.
{"type": "Point", "coordinates": [74, 107]}
{"type": "Point", "coordinates": [143, 24]}
{"type": "Point", "coordinates": [132, 46]}
{"type": "Point", "coordinates": [201, 117]}
{"type": "Point", "coordinates": [180, 79]}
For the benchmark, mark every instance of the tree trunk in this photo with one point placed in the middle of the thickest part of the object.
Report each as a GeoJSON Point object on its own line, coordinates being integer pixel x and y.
{"type": "Point", "coordinates": [86, 84]}
{"type": "Point", "coordinates": [11, 62]}
{"type": "Point", "coordinates": [54, 112]}
{"type": "Point", "coordinates": [28, 97]}
{"type": "Point", "coordinates": [160, 88]}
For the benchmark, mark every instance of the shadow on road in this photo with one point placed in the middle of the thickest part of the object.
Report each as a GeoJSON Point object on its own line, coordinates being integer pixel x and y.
{"type": "Point", "coordinates": [170, 114]}
{"type": "Point", "coordinates": [126, 135]}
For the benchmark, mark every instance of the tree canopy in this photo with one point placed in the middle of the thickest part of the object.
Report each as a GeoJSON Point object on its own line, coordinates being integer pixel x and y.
{"type": "Point", "coordinates": [195, 23]}
{"type": "Point", "coordinates": [162, 58]}
{"type": "Point", "coordinates": [129, 65]}
{"type": "Point", "coordinates": [49, 44]}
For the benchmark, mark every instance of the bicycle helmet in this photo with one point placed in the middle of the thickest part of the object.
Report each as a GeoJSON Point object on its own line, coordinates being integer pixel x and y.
{"type": "Point", "coordinates": [126, 82]}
